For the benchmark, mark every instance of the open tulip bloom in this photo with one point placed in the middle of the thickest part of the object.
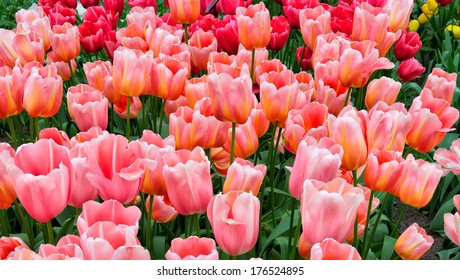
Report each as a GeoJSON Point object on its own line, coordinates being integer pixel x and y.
{"type": "Point", "coordinates": [229, 129]}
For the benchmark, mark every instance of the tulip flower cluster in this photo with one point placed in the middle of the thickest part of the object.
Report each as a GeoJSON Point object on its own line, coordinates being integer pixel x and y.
{"type": "Point", "coordinates": [216, 129]}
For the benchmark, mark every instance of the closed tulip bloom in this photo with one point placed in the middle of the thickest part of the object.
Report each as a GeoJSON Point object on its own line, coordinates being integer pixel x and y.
{"type": "Point", "coordinates": [184, 11]}
{"type": "Point", "coordinates": [220, 159]}
{"type": "Point", "coordinates": [116, 167]}
{"type": "Point", "coordinates": [388, 127]}
{"type": "Point", "coordinates": [8, 54]}
{"type": "Point", "coordinates": [432, 119]}
{"type": "Point", "coordinates": [280, 93]}
{"type": "Point", "coordinates": [7, 193]}
{"type": "Point", "coordinates": [418, 182]}
{"type": "Point", "coordinates": [234, 219]}
{"type": "Point", "coordinates": [156, 147]}
{"type": "Point", "coordinates": [29, 47]}
{"type": "Point", "coordinates": [314, 22]}
{"type": "Point", "coordinates": [107, 241]}
{"type": "Point", "coordinates": [201, 44]}
{"type": "Point", "coordinates": [318, 160]}
{"type": "Point", "coordinates": [81, 189]}
{"type": "Point", "coordinates": [111, 211]}
{"type": "Point", "coordinates": [226, 31]}
{"type": "Point", "coordinates": [308, 120]}
{"type": "Point", "coordinates": [143, 3]}
{"type": "Point", "coordinates": [142, 16]}
{"type": "Point", "coordinates": [413, 243]}
{"type": "Point", "coordinates": [279, 34]}
{"type": "Point", "coordinates": [43, 92]}
{"type": "Point", "coordinates": [36, 21]}
{"type": "Point", "coordinates": [410, 69]}
{"type": "Point", "coordinates": [449, 159]}
{"type": "Point", "coordinates": [399, 12]}
{"type": "Point", "coordinates": [242, 175]}
{"type": "Point", "coordinates": [330, 249]}
{"type": "Point", "coordinates": [11, 91]}
{"type": "Point", "coordinates": [40, 173]}
{"type": "Point", "coordinates": [383, 170]}
{"type": "Point", "coordinates": [370, 23]}
{"type": "Point", "coordinates": [192, 248]}
{"type": "Point", "coordinates": [64, 69]}
{"type": "Point", "coordinates": [9, 244]}
{"type": "Point", "coordinates": [58, 136]}
{"type": "Point", "coordinates": [452, 222]}
{"type": "Point", "coordinates": [228, 7]}
{"type": "Point", "coordinates": [188, 180]}
{"type": "Point", "coordinates": [162, 209]}
{"type": "Point", "coordinates": [232, 98]}
{"type": "Point", "coordinates": [383, 89]}
{"type": "Point", "coordinates": [327, 213]}
{"type": "Point", "coordinates": [21, 253]}
{"type": "Point", "coordinates": [116, 6]}
{"type": "Point", "coordinates": [292, 8]}
{"type": "Point", "coordinates": [132, 37]}
{"type": "Point", "coordinates": [253, 26]}
{"type": "Point", "coordinates": [442, 84]}
{"type": "Point", "coordinates": [130, 72]}
{"type": "Point", "coordinates": [259, 121]}
{"type": "Point", "coordinates": [407, 46]}
{"type": "Point", "coordinates": [196, 89]}
{"type": "Point", "coordinates": [88, 107]}
{"type": "Point", "coordinates": [246, 140]}
{"type": "Point", "coordinates": [91, 36]}
{"type": "Point", "coordinates": [66, 41]}
{"type": "Point", "coordinates": [168, 78]}
{"type": "Point", "coordinates": [96, 72]}
{"type": "Point", "coordinates": [349, 131]}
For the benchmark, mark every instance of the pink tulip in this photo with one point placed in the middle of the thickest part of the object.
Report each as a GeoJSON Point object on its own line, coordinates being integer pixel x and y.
{"type": "Point", "coordinates": [64, 252]}
{"type": "Point", "coordinates": [111, 211]}
{"type": "Point", "coordinates": [452, 222]}
{"type": "Point", "coordinates": [142, 16]}
{"type": "Point", "coordinates": [253, 26]}
{"type": "Point", "coordinates": [318, 160]}
{"type": "Point", "coordinates": [383, 89]}
{"type": "Point", "coordinates": [449, 159]}
{"type": "Point", "coordinates": [388, 127]}
{"type": "Point", "coordinates": [116, 167]}
{"type": "Point", "coordinates": [441, 84]}
{"type": "Point", "coordinates": [326, 213]}
{"type": "Point", "coordinates": [41, 173]}
{"type": "Point", "coordinates": [11, 90]}
{"type": "Point", "coordinates": [188, 180]}
{"type": "Point", "coordinates": [432, 119]}
{"type": "Point", "coordinates": [96, 72]}
{"type": "Point", "coordinates": [107, 241]}
{"type": "Point", "coordinates": [162, 210]}
{"type": "Point", "coordinates": [330, 249]}
{"type": "Point", "coordinates": [418, 181]}
{"type": "Point", "coordinates": [58, 136]}
{"type": "Point", "coordinates": [168, 78]}
{"type": "Point", "coordinates": [8, 195]}
{"type": "Point", "coordinates": [382, 171]}
{"type": "Point", "coordinates": [413, 243]}
{"type": "Point", "coordinates": [370, 23]}
{"type": "Point", "coordinates": [130, 71]}
{"type": "Point", "coordinates": [88, 107]}
{"type": "Point", "coordinates": [399, 12]}
{"type": "Point", "coordinates": [66, 41]}
{"type": "Point", "coordinates": [22, 253]}
{"type": "Point", "coordinates": [234, 219]}
{"type": "Point", "coordinates": [246, 140]}
{"type": "Point", "coordinates": [9, 244]}
{"type": "Point", "coordinates": [313, 22]}
{"type": "Point", "coordinates": [201, 44]}
{"type": "Point", "coordinates": [192, 248]}
{"type": "Point", "coordinates": [242, 175]}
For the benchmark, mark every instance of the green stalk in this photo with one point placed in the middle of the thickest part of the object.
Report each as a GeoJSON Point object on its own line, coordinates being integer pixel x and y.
{"type": "Point", "coordinates": [111, 117]}
{"type": "Point", "coordinates": [50, 233]}
{"type": "Point", "coordinates": [374, 228]}
{"type": "Point", "coordinates": [398, 222]}
{"type": "Point", "coordinates": [355, 178]}
{"type": "Point", "coordinates": [4, 222]}
{"type": "Point", "coordinates": [13, 132]}
{"type": "Point", "coordinates": [128, 118]}
{"type": "Point", "coordinates": [296, 238]}
{"type": "Point", "coordinates": [37, 128]}
{"type": "Point", "coordinates": [186, 33]}
{"type": "Point", "coordinates": [197, 222]}
{"type": "Point", "coordinates": [291, 220]}
{"type": "Point", "coordinates": [162, 114]}
{"type": "Point", "coordinates": [360, 99]}
{"type": "Point", "coordinates": [350, 89]}
{"type": "Point", "coordinates": [232, 147]}
{"type": "Point", "coordinates": [368, 216]}
{"type": "Point", "coordinates": [253, 58]}
{"type": "Point", "coordinates": [25, 224]}
{"type": "Point", "coordinates": [31, 129]}
{"type": "Point", "coordinates": [272, 173]}
{"type": "Point", "coordinates": [149, 219]}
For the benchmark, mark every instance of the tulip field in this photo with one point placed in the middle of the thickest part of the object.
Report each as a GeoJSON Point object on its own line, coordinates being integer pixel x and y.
{"type": "Point", "coordinates": [229, 129]}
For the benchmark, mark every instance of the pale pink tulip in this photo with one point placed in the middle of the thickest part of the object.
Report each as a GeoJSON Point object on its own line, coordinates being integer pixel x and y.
{"type": "Point", "coordinates": [449, 159]}
{"type": "Point", "coordinates": [192, 248]}
{"type": "Point", "coordinates": [242, 175]}
{"type": "Point", "coordinates": [441, 84]}
{"type": "Point", "coordinates": [413, 243]}
{"type": "Point", "coordinates": [452, 222]}
{"type": "Point", "coordinates": [330, 249]}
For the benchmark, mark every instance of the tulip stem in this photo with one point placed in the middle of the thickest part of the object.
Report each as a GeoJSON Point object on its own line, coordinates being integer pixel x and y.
{"type": "Point", "coordinates": [5, 223]}
{"type": "Point", "coordinates": [253, 58]}
{"type": "Point", "coordinates": [186, 33]}
{"type": "Point", "coordinates": [111, 117]}
{"type": "Point", "coordinates": [234, 258]}
{"type": "Point", "coordinates": [291, 220]}
{"type": "Point", "coordinates": [162, 114]}
{"type": "Point", "coordinates": [350, 89]}
{"type": "Point", "coordinates": [355, 178]}
{"type": "Point", "coordinates": [407, 152]}
{"type": "Point", "coordinates": [37, 128]}
{"type": "Point", "coordinates": [153, 102]}
{"type": "Point", "coordinates": [232, 147]}
{"type": "Point", "coordinates": [25, 224]}
{"type": "Point", "coordinates": [49, 228]}
{"type": "Point", "coordinates": [31, 129]}
{"type": "Point", "coordinates": [149, 219]}
{"type": "Point", "coordinates": [398, 222]}
{"type": "Point", "coordinates": [128, 118]}
{"type": "Point", "coordinates": [368, 216]}
{"type": "Point", "coordinates": [360, 99]}
{"type": "Point", "coordinates": [374, 228]}
{"type": "Point", "coordinates": [272, 173]}
{"type": "Point", "coordinates": [197, 221]}
{"type": "Point", "coordinates": [296, 237]}
{"type": "Point", "coordinates": [13, 132]}
{"type": "Point", "coordinates": [355, 233]}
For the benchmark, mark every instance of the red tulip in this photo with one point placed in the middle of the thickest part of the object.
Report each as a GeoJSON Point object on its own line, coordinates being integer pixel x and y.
{"type": "Point", "coordinates": [234, 219]}
{"type": "Point", "coordinates": [91, 36]}
{"type": "Point", "coordinates": [89, 3]}
{"type": "Point", "coordinates": [226, 31]}
{"type": "Point", "coordinates": [106, 18]}
{"type": "Point", "coordinates": [407, 46]}
{"type": "Point", "coordinates": [60, 14]}
{"type": "Point", "coordinates": [409, 69]}
{"type": "Point", "coordinates": [116, 6]}
{"type": "Point", "coordinates": [143, 3]}
{"type": "Point", "coordinates": [279, 34]}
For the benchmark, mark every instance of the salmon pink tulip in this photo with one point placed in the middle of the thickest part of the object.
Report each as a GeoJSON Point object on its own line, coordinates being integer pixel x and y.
{"type": "Point", "coordinates": [63, 252]}
{"type": "Point", "coordinates": [169, 78]}
{"type": "Point", "coordinates": [330, 249]}
{"type": "Point", "coordinates": [314, 21]}
{"type": "Point", "coordinates": [11, 91]}
{"type": "Point", "coordinates": [9, 244]}
{"type": "Point", "coordinates": [452, 222]}
{"type": "Point", "coordinates": [319, 160]}
{"type": "Point", "coordinates": [253, 26]}
{"type": "Point", "coordinates": [162, 209]}
{"type": "Point", "coordinates": [383, 89]}
{"type": "Point", "coordinates": [234, 219]}
{"type": "Point", "coordinates": [192, 248]}
{"type": "Point", "coordinates": [184, 11]}
{"type": "Point", "coordinates": [442, 84]}
{"type": "Point", "coordinates": [201, 44]}
{"type": "Point", "coordinates": [242, 175]}
{"type": "Point", "coordinates": [40, 173]}
{"type": "Point", "coordinates": [413, 243]}
{"type": "Point", "coordinates": [96, 72]}
{"type": "Point", "coordinates": [188, 180]}
{"type": "Point", "coordinates": [81, 189]}
{"type": "Point", "coordinates": [246, 140]}
{"type": "Point", "coordinates": [399, 12]}
{"type": "Point", "coordinates": [7, 193]}
{"type": "Point", "coordinates": [66, 41]}
{"type": "Point", "coordinates": [382, 171]}
{"type": "Point", "coordinates": [292, 9]}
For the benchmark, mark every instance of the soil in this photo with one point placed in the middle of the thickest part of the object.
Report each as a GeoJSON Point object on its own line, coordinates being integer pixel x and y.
{"type": "Point", "coordinates": [413, 215]}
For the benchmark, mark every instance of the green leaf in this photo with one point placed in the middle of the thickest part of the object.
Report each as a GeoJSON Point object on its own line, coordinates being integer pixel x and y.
{"type": "Point", "coordinates": [69, 212]}
{"type": "Point", "coordinates": [388, 247]}
{"type": "Point", "coordinates": [445, 254]}
{"type": "Point", "coordinates": [437, 224]}
{"type": "Point", "coordinates": [67, 228]}
{"type": "Point", "coordinates": [282, 228]}
{"type": "Point", "coordinates": [159, 251]}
